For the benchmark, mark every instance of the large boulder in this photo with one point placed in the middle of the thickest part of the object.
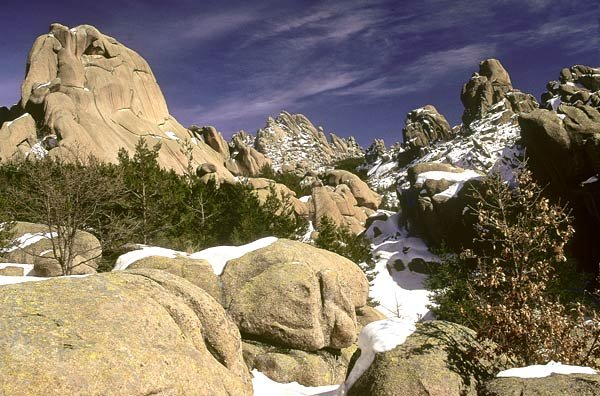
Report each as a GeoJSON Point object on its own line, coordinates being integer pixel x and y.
{"type": "Point", "coordinates": [554, 385]}
{"type": "Point", "coordinates": [567, 131]}
{"type": "Point", "coordinates": [295, 295]}
{"type": "Point", "coordinates": [139, 332]}
{"type": "Point", "coordinates": [95, 96]}
{"type": "Point", "coordinates": [196, 271]}
{"type": "Point", "coordinates": [32, 245]}
{"type": "Point", "coordinates": [423, 365]}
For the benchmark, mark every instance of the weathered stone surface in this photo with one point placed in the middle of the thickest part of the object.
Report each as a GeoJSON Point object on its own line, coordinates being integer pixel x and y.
{"type": "Point", "coordinates": [360, 190]}
{"type": "Point", "coordinates": [339, 205]}
{"type": "Point", "coordinates": [293, 365]}
{"type": "Point", "coordinates": [96, 96]}
{"type": "Point", "coordinates": [296, 295]}
{"type": "Point", "coordinates": [17, 137]}
{"type": "Point", "coordinates": [425, 126]}
{"type": "Point", "coordinates": [12, 271]}
{"type": "Point", "coordinates": [563, 148]}
{"type": "Point", "coordinates": [215, 140]}
{"type": "Point", "coordinates": [197, 272]}
{"type": "Point", "coordinates": [485, 89]}
{"type": "Point", "coordinates": [250, 162]}
{"type": "Point", "coordinates": [139, 332]}
{"type": "Point", "coordinates": [206, 169]}
{"type": "Point", "coordinates": [554, 385]}
{"type": "Point", "coordinates": [37, 250]}
{"type": "Point", "coordinates": [421, 366]}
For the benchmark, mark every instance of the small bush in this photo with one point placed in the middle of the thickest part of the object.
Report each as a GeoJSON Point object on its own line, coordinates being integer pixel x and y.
{"type": "Point", "coordinates": [509, 286]}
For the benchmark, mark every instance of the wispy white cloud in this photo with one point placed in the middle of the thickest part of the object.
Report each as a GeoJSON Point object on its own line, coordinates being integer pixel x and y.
{"type": "Point", "coordinates": [424, 72]}
{"type": "Point", "coordinates": [271, 99]}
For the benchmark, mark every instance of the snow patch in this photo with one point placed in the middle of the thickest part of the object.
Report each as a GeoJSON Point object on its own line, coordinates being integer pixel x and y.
{"type": "Point", "coordinates": [28, 239]}
{"type": "Point", "coordinates": [264, 386]}
{"type": "Point", "coordinates": [377, 337]}
{"type": "Point", "coordinates": [219, 256]}
{"type": "Point", "coordinates": [540, 371]}
{"type": "Point", "coordinates": [27, 268]}
{"type": "Point", "coordinates": [125, 260]}
{"type": "Point", "coordinates": [171, 135]}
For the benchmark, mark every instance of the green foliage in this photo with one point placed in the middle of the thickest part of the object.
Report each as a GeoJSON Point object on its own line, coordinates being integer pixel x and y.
{"type": "Point", "coordinates": [353, 165]}
{"type": "Point", "coordinates": [342, 241]}
{"type": "Point", "coordinates": [289, 179]}
{"type": "Point", "coordinates": [510, 284]}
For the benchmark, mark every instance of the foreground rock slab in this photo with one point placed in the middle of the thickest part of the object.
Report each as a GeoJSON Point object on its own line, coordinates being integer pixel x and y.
{"type": "Point", "coordinates": [140, 332]}
{"type": "Point", "coordinates": [554, 385]}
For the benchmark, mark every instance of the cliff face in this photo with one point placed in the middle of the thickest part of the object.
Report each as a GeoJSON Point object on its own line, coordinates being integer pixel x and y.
{"type": "Point", "coordinates": [86, 93]}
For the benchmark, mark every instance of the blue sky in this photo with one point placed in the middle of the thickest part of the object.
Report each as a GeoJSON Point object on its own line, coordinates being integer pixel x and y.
{"type": "Point", "coordinates": [354, 67]}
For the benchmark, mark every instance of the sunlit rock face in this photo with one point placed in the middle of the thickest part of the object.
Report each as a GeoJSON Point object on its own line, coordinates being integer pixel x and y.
{"type": "Point", "coordinates": [94, 95]}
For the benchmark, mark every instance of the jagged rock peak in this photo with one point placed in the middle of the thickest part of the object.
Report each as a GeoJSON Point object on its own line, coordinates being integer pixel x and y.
{"type": "Point", "coordinates": [424, 126]}
{"type": "Point", "coordinates": [293, 142]}
{"type": "Point", "coordinates": [487, 90]}
{"type": "Point", "coordinates": [484, 89]}
{"type": "Point", "coordinates": [94, 95]}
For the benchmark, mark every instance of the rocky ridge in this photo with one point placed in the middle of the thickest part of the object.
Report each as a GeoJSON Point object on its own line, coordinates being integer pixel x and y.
{"type": "Point", "coordinates": [293, 143]}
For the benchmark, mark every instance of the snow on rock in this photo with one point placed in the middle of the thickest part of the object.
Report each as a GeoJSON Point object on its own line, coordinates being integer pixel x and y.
{"type": "Point", "coordinates": [219, 256]}
{"type": "Point", "coordinates": [399, 293]}
{"type": "Point", "coordinates": [28, 239]}
{"type": "Point", "coordinates": [264, 386]}
{"type": "Point", "coordinates": [171, 135]}
{"type": "Point", "coordinates": [377, 337]}
{"type": "Point", "coordinates": [125, 260]}
{"type": "Point", "coordinates": [540, 371]}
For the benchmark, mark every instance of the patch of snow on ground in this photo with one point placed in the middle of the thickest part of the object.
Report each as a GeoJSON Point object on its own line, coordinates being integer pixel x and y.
{"type": "Point", "coordinates": [540, 371]}
{"type": "Point", "coordinates": [377, 337]}
{"type": "Point", "coordinates": [219, 256]}
{"type": "Point", "coordinates": [264, 386]}
{"type": "Point", "coordinates": [399, 293]}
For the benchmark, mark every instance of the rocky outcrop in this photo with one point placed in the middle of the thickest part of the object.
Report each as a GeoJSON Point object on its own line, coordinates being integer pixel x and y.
{"type": "Point", "coordinates": [32, 245]}
{"type": "Point", "coordinates": [425, 126]}
{"type": "Point", "coordinates": [436, 206]}
{"type": "Point", "coordinates": [140, 332]}
{"type": "Point", "coordinates": [484, 89]}
{"type": "Point", "coordinates": [292, 142]}
{"type": "Point", "coordinates": [568, 132]}
{"type": "Point", "coordinates": [93, 95]}
{"type": "Point", "coordinates": [18, 138]}
{"type": "Point", "coordinates": [360, 190]}
{"type": "Point", "coordinates": [213, 138]}
{"type": "Point", "coordinates": [295, 295]}
{"type": "Point", "coordinates": [424, 365]}
{"type": "Point", "coordinates": [554, 385]}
